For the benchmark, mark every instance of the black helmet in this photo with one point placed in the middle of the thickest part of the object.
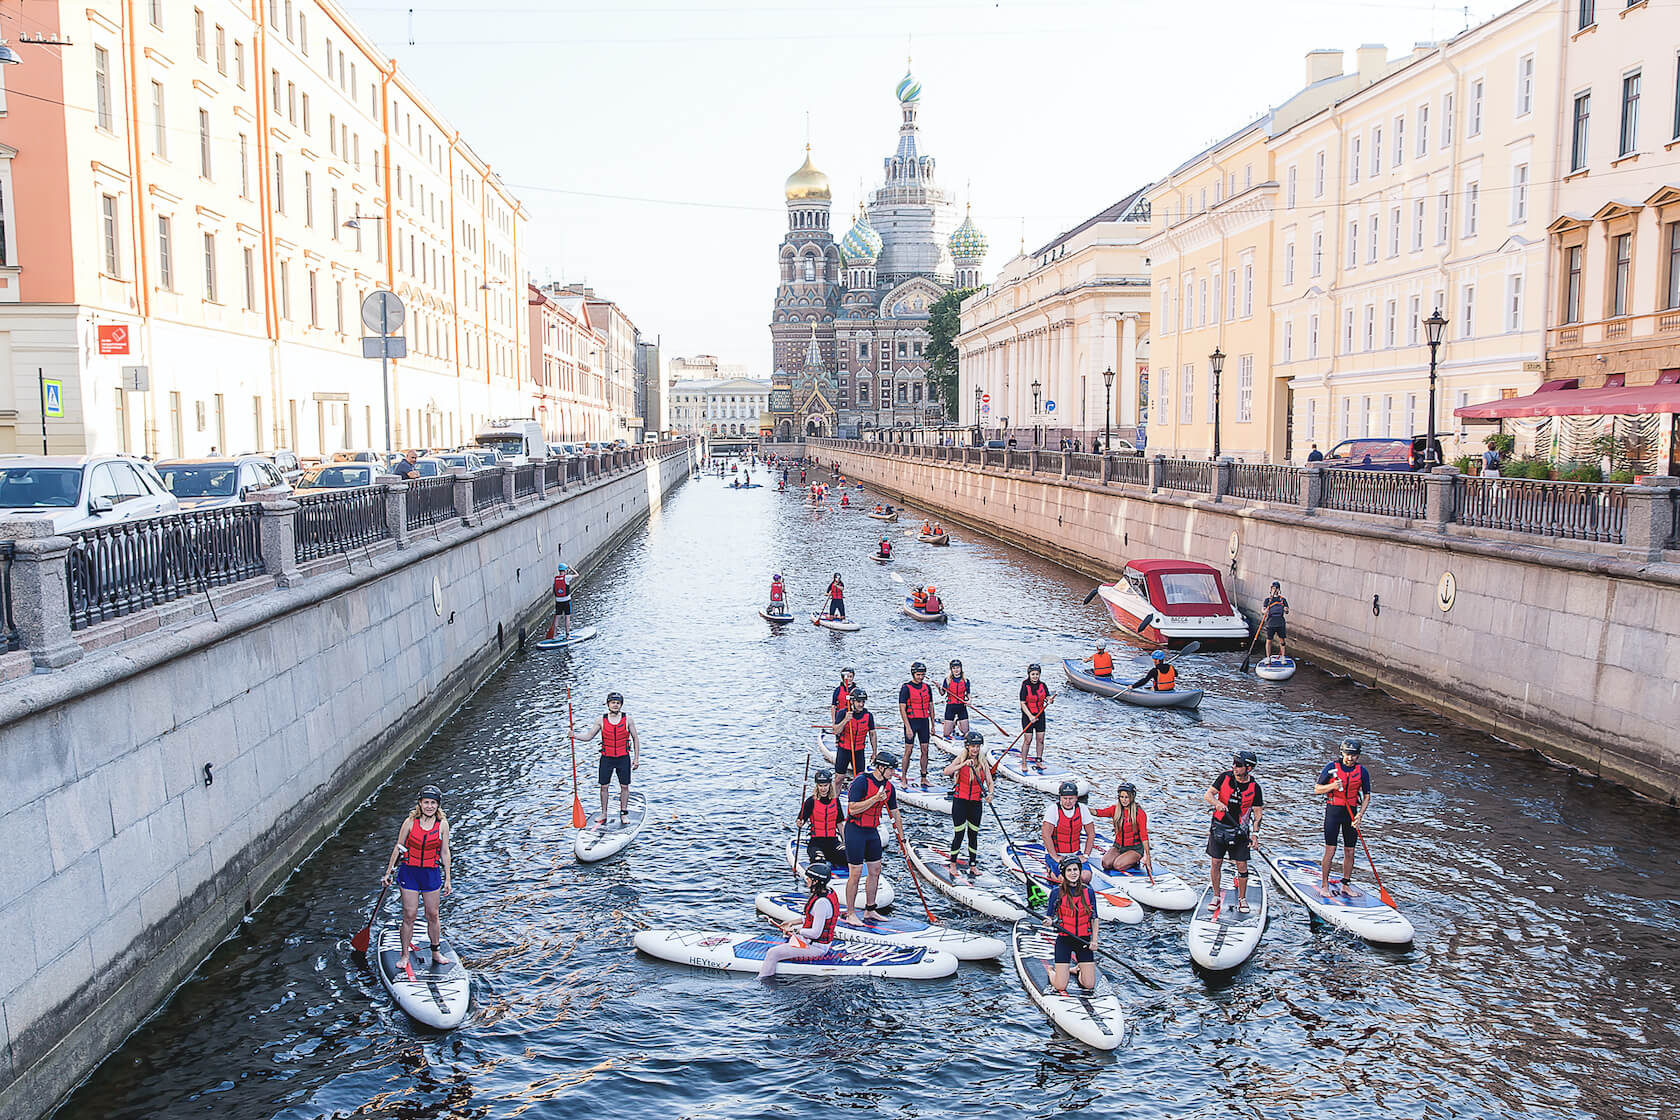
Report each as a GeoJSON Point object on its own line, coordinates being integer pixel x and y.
{"type": "Point", "coordinates": [611, 696]}
{"type": "Point", "coordinates": [1071, 861]}
{"type": "Point", "coordinates": [1067, 789]}
{"type": "Point", "coordinates": [887, 759]}
{"type": "Point", "coordinates": [917, 667]}
{"type": "Point", "coordinates": [1126, 787]}
{"type": "Point", "coordinates": [820, 871]}
{"type": "Point", "coordinates": [975, 739]}
{"type": "Point", "coordinates": [825, 775]}
{"type": "Point", "coordinates": [1035, 667]}
{"type": "Point", "coordinates": [860, 695]}
{"type": "Point", "coordinates": [955, 664]}
{"type": "Point", "coordinates": [1248, 757]}
{"type": "Point", "coordinates": [1350, 746]}
{"type": "Point", "coordinates": [432, 792]}
{"type": "Point", "coordinates": [848, 670]}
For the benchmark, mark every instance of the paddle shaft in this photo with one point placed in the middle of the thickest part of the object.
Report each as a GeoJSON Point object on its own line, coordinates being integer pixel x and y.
{"type": "Point", "coordinates": [1104, 953]}
{"type": "Point", "coordinates": [1382, 891]}
{"type": "Point", "coordinates": [360, 941]}
{"type": "Point", "coordinates": [904, 848]}
{"type": "Point", "coordinates": [1252, 643]}
{"type": "Point", "coordinates": [578, 820]}
{"type": "Point", "coordinates": [799, 831]}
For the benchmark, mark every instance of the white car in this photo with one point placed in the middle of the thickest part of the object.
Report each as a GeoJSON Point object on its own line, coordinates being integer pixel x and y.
{"type": "Point", "coordinates": [338, 476]}
{"type": "Point", "coordinates": [77, 492]}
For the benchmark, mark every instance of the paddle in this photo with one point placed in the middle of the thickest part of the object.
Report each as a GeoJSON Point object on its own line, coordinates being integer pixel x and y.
{"type": "Point", "coordinates": [904, 849]}
{"type": "Point", "coordinates": [578, 819]}
{"type": "Point", "coordinates": [799, 832]}
{"type": "Point", "coordinates": [360, 941]}
{"type": "Point", "coordinates": [1252, 643]}
{"type": "Point", "coordinates": [1382, 891]}
{"type": "Point", "coordinates": [1191, 648]}
{"type": "Point", "coordinates": [1104, 953]}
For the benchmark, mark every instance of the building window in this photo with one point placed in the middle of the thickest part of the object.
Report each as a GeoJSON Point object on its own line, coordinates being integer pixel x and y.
{"type": "Point", "coordinates": [274, 91]}
{"type": "Point", "coordinates": [244, 166]}
{"type": "Point", "coordinates": [204, 143]}
{"type": "Point", "coordinates": [1578, 131]}
{"type": "Point", "coordinates": [1448, 109]}
{"type": "Point", "coordinates": [102, 87]}
{"type": "Point", "coordinates": [1623, 244]}
{"type": "Point", "coordinates": [154, 12]}
{"type": "Point", "coordinates": [1414, 317]}
{"type": "Point", "coordinates": [1318, 253]}
{"type": "Point", "coordinates": [1586, 19]}
{"type": "Point", "coordinates": [210, 291]}
{"type": "Point", "coordinates": [1525, 85]}
{"type": "Point", "coordinates": [306, 130]}
{"type": "Point", "coordinates": [903, 392]}
{"type": "Point", "coordinates": [1347, 331]}
{"type": "Point", "coordinates": [1187, 395]}
{"type": "Point", "coordinates": [166, 253]}
{"type": "Point", "coordinates": [239, 64]}
{"type": "Point", "coordinates": [1630, 115]}
{"type": "Point", "coordinates": [1417, 225]}
{"type": "Point", "coordinates": [863, 351]}
{"type": "Point", "coordinates": [1318, 175]}
{"type": "Point", "coordinates": [279, 183]}
{"type": "Point", "coordinates": [1443, 214]}
{"type": "Point", "coordinates": [903, 350]}
{"type": "Point", "coordinates": [1394, 232]}
{"type": "Point", "coordinates": [1245, 389]}
{"type": "Point", "coordinates": [1376, 151]}
{"type": "Point", "coordinates": [1513, 302]}
{"type": "Point", "coordinates": [1473, 126]}
{"type": "Point", "coordinates": [1312, 336]}
{"type": "Point", "coordinates": [1423, 131]}
{"type": "Point", "coordinates": [108, 228]}
{"type": "Point", "coordinates": [1289, 188]}
{"type": "Point", "coordinates": [200, 40]}
{"type": "Point", "coordinates": [1519, 193]}
{"type": "Point", "coordinates": [249, 258]}
{"type": "Point", "coordinates": [1391, 323]}
{"type": "Point", "coordinates": [1289, 263]}
{"type": "Point", "coordinates": [1248, 291]}
{"type": "Point", "coordinates": [1353, 159]}
{"type": "Point", "coordinates": [314, 298]}
{"type": "Point", "coordinates": [1673, 300]}
{"type": "Point", "coordinates": [160, 125]}
{"type": "Point", "coordinates": [221, 50]}
{"type": "Point", "coordinates": [1353, 244]}
{"type": "Point", "coordinates": [1472, 207]}
{"type": "Point", "coordinates": [1677, 95]}
{"type": "Point", "coordinates": [1370, 326]}
{"type": "Point", "coordinates": [1375, 239]}
{"type": "Point", "coordinates": [1467, 325]}
{"type": "Point", "coordinates": [286, 291]}
{"type": "Point", "coordinates": [1288, 340]}
{"type": "Point", "coordinates": [309, 200]}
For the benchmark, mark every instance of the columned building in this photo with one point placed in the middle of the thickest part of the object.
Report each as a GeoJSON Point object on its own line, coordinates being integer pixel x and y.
{"type": "Point", "coordinates": [721, 408]}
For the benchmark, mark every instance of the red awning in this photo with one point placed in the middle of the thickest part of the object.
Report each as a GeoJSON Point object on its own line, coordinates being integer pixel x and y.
{"type": "Point", "coordinates": [1610, 400]}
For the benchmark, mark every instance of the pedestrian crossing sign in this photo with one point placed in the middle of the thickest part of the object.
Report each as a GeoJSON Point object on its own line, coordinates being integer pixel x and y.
{"type": "Point", "coordinates": [52, 399]}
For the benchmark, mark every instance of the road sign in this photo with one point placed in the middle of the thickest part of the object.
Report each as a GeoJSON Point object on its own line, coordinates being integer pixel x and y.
{"type": "Point", "coordinates": [985, 398]}
{"type": "Point", "coordinates": [136, 379]}
{"type": "Point", "coordinates": [985, 408]}
{"type": "Point", "coordinates": [113, 338]}
{"type": "Point", "coordinates": [52, 399]}
{"type": "Point", "coordinates": [1049, 406]}
{"type": "Point", "coordinates": [383, 313]}
{"type": "Point", "coordinates": [378, 346]}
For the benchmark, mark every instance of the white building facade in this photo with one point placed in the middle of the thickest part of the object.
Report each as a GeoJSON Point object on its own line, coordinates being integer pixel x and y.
{"type": "Point", "coordinates": [724, 407]}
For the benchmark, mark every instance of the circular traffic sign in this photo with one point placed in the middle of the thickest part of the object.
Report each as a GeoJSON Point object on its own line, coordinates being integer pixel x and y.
{"type": "Point", "coordinates": [1049, 406]}
{"type": "Point", "coordinates": [383, 312]}
{"type": "Point", "coordinates": [985, 398]}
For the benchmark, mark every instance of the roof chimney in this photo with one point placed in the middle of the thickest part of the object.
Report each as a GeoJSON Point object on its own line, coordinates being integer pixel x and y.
{"type": "Point", "coordinates": [1421, 49]}
{"type": "Point", "coordinates": [1322, 65]}
{"type": "Point", "coordinates": [1373, 61]}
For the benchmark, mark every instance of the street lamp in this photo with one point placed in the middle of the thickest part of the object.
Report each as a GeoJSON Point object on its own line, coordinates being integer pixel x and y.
{"type": "Point", "coordinates": [1108, 391]}
{"type": "Point", "coordinates": [1434, 327]}
{"type": "Point", "coordinates": [1216, 360]}
{"type": "Point", "coordinates": [977, 439]}
{"type": "Point", "coordinates": [1037, 431]}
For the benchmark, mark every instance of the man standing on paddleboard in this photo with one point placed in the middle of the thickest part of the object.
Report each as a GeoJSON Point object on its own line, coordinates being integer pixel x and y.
{"type": "Point", "coordinates": [957, 690]}
{"type": "Point", "coordinates": [423, 847]}
{"type": "Point", "coordinates": [1237, 805]}
{"type": "Point", "coordinates": [564, 577]}
{"type": "Point", "coordinates": [1347, 786]}
{"type": "Point", "coordinates": [915, 712]}
{"type": "Point", "coordinates": [621, 752]}
{"type": "Point", "coordinates": [869, 795]}
{"type": "Point", "coordinates": [1272, 613]}
{"type": "Point", "coordinates": [854, 737]}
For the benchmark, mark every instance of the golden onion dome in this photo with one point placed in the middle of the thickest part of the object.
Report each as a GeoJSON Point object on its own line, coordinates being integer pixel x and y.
{"type": "Point", "coordinates": [807, 182]}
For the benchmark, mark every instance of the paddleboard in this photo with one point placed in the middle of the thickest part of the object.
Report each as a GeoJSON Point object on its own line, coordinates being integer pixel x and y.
{"type": "Point", "coordinates": [789, 906]}
{"type": "Point", "coordinates": [930, 797]}
{"type": "Point", "coordinates": [884, 893]}
{"type": "Point", "coordinates": [597, 841]}
{"type": "Point", "coordinates": [774, 619]}
{"type": "Point", "coordinates": [883, 516]}
{"type": "Point", "coordinates": [843, 625]}
{"type": "Point", "coordinates": [1169, 891]}
{"type": "Point", "coordinates": [979, 890]}
{"type": "Point", "coordinates": [1275, 668]}
{"type": "Point", "coordinates": [744, 952]}
{"type": "Point", "coordinates": [1112, 905]}
{"type": "Point", "coordinates": [1095, 1018]}
{"type": "Point", "coordinates": [437, 995]}
{"type": "Point", "coordinates": [1046, 777]}
{"type": "Point", "coordinates": [1361, 914]}
{"type": "Point", "coordinates": [922, 616]}
{"type": "Point", "coordinates": [879, 559]}
{"type": "Point", "coordinates": [560, 642]}
{"type": "Point", "coordinates": [1224, 941]}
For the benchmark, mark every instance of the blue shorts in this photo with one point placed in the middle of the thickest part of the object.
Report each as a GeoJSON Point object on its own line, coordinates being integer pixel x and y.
{"type": "Point", "coordinates": [422, 879]}
{"type": "Point", "coordinates": [611, 766]}
{"type": "Point", "coordinates": [1070, 949]}
{"type": "Point", "coordinates": [1338, 822]}
{"type": "Point", "coordinates": [863, 844]}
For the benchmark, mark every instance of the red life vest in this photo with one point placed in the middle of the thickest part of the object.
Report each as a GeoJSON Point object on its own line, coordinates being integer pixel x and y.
{"type": "Point", "coordinates": [827, 933]}
{"type": "Point", "coordinates": [1133, 831]}
{"type": "Point", "coordinates": [615, 738]}
{"type": "Point", "coordinates": [1037, 696]}
{"type": "Point", "coordinates": [854, 733]}
{"type": "Point", "coordinates": [956, 689]}
{"type": "Point", "coordinates": [1102, 665]}
{"type": "Point", "coordinates": [871, 817]}
{"type": "Point", "coordinates": [886, 548]}
{"type": "Point", "coordinates": [1075, 911]}
{"type": "Point", "coordinates": [1067, 831]}
{"type": "Point", "coordinates": [777, 594]}
{"type": "Point", "coordinates": [835, 591]}
{"type": "Point", "coordinates": [825, 818]}
{"type": "Point", "coordinates": [919, 704]}
{"type": "Point", "coordinates": [1227, 791]}
{"type": "Point", "coordinates": [1165, 678]}
{"type": "Point", "coordinates": [1351, 781]}
{"type": "Point", "coordinates": [424, 845]}
{"type": "Point", "coordinates": [969, 785]}
{"type": "Point", "coordinates": [842, 698]}
{"type": "Point", "coordinates": [562, 589]}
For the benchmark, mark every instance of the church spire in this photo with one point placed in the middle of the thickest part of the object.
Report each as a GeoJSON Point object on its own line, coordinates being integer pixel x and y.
{"type": "Point", "coordinates": [813, 352]}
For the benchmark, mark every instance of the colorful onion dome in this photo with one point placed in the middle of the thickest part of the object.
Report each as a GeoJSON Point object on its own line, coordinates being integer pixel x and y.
{"type": "Point", "coordinates": [861, 243]}
{"type": "Point", "coordinates": [909, 89]}
{"type": "Point", "coordinates": [967, 243]}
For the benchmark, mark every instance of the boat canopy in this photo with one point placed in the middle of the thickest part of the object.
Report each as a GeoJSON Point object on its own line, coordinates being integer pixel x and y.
{"type": "Point", "coordinates": [1182, 587]}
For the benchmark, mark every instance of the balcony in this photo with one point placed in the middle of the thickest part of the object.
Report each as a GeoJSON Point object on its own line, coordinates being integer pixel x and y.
{"type": "Point", "coordinates": [1657, 326]}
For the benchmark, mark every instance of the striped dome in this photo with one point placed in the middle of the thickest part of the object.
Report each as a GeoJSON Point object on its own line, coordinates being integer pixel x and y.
{"type": "Point", "coordinates": [909, 89]}
{"type": "Point", "coordinates": [967, 243]}
{"type": "Point", "coordinates": [861, 243]}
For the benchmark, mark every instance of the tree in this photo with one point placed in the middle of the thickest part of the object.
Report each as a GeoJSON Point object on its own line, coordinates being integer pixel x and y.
{"type": "Point", "coordinates": [944, 323]}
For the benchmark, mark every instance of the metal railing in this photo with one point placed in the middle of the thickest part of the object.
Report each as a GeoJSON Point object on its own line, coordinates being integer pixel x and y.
{"type": "Point", "coordinates": [1583, 511]}
{"type": "Point", "coordinates": [1081, 465]}
{"type": "Point", "coordinates": [1129, 470]}
{"type": "Point", "coordinates": [1387, 493]}
{"type": "Point", "coordinates": [487, 490]}
{"type": "Point", "coordinates": [996, 457]}
{"type": "Point", "coordinates": [9, 637]}
{"type": "Point", "coordinates": [574, 470]}
{"type": "Point", "coordinates": [551, 474]}
{"type": "Point", "coordinates": [1050, 462]}
{"type": "Point", "coordinates": [333, 523]}
{"type": "Point", "coordinates": [1673, 520]}
{"type": "Point", "coordinates": [1020, 460]}
{"type": "Point", "coordinates": [1266, 482]}
{"type": "Point", "coordinates": [524, 481]}
{"type": "Point", "coordinates": [431, 501]}
{"type": "Point", "coordinates": [115, 570]}
{"type": "Point", "coordinates": [1187, 474]}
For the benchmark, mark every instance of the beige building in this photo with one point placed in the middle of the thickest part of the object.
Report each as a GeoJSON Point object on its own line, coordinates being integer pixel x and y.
{"type": "Point", "coordinates": [566, 396]}
{"type": "Point", "coordinates": [196, 201]}
{"type": "Point", "coordinates": [1060, 317]}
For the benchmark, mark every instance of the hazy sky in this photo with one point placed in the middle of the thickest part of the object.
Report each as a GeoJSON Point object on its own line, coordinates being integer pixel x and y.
{"type": "Point", "coordinates": [648, 139]}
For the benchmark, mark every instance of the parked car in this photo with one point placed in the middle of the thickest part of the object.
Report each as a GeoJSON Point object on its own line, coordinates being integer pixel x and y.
{"type": "Point", "coordinates": [338, 476]}
{"type": "Point", "coordinates": [430, 466]}
{"type": "Point", "coordinates": [361, 456]}
{"type": "Point", "coordinates": [286, 462]}
{"type": "Point", "coordinates": [470, 460]}
{"type": "Point", "coordinates": [1381, 453]}
{"type": "Point", "coordinates": [207, 483]}
{"type": "Point", "coordinates": [81, 491]}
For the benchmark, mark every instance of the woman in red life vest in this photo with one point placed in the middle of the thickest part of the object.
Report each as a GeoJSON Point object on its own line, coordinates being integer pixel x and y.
{"type": "Point", "coordinates": [1035, 698]}
{"type": "Point", "coordinates": [811, 936]}
{"type": "Point", "coordinates": [1347, 788]}
{"type": "Point", "coordinates": [836, 597]}
{"type": "Point", "coordinates": [823, 811]}
{"type": "Point", "coordinates": [854, 736]}
{"type": "Point", "coordinates": [1131, 832]}
{"type": "Point", "coordinates": [1237, 805]}
{"type": "Point", "coordinates": [563, 580]}
{"type": "Point", "coordinates": [915, 711]}
{"type": "Point", "coordinates": [958, 691]}
{"type": "Point", "coordinates": [870, 795]}
{"type": "Point", "coordinates": [1072, 913]}
{"type": "Point", "coordinates": [1069, 829]}
{"type": "Point", "coordinates": [423, 847]}
{"type": "Point", "coordinates": [973, 784]}
{"type": "Point", "coordinates": [1101, 662]}
{"type": "Point", "coordinates": [778, 595]}
{"type": "Point", "coordinates": [621, 752]}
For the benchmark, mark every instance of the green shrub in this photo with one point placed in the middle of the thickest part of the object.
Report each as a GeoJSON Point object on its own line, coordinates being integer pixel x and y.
{"type": "Point", "coordinates": [1503, 443]}
{"type": "Point", "coordinates": [1467, 464]}
{"type": "Point", "coordinates": [1580, 472]}
{"type": "Point", "coordinates": [1621, 476]}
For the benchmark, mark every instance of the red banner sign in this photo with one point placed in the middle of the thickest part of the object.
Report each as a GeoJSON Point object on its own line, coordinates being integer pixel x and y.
{"type": "Point", "coordinates": [113, 338]}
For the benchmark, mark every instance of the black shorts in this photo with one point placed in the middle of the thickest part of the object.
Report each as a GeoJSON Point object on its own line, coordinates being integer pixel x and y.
{"type": "Point", "coordinates": [955, 711]}
{"type": "Point", "coordinates": [611, 766]}
{"type": "Point", "coordinates": [1276, 629]}
{"type": "Point", "coordinates": [920, 729]}
{"type": "Point", "coordinates": [863, 844]}
{"type": "Point", "coordinates": [563, 608]}
{"type": "Point", "coordinates": [828, 849]}
{"type": "Point", "coordinates": [1338, 822]}
{"type": "Point", "coordinates": [1225, 842]}
{"type": "Point", "coordinates": [1028, 723]}
{"type": "Point", "coordinates": [1070, 949]}
{"type": "Point", "coordinates": [848, 761]}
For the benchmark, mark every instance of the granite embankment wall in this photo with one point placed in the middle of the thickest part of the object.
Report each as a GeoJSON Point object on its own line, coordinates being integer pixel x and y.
{"type": "Point", "coordinates": [1569, 650]}
{"type": "Point", "coordinates": [124, 867]}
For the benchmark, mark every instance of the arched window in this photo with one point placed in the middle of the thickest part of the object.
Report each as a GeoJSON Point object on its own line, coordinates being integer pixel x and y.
{"type": "Point", "coordinates": [810, 269]}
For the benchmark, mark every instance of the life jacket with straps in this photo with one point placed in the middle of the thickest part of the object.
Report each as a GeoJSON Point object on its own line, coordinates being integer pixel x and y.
{"type": "Point", "coordinates": [918, 599]}
{"type": "Point", "coordinates": [615, 737]}
{"type": "Point", "coordinates": [1352, 780]}
{"type": "Point", "coordinates": [1038, 695]}
{"type": "Point", "coordinates": [424, 847]}
{"type": "Point", "coordinates": [1165, 677]}
{"type": "Point", "coordinates": [886, 548]}
{"type": "Point", "coordinates": [1075, 911]}
{"type": "Point", "coordinates": [1236, 799]}
{"type": "Point", "coordinates": [854, 733]}
{"type": "Point", "coordinates": [562, 588]}
{"type": "Point", "coordinates": [1130, 831]}
{"type": "Point", "coordinates": [825, 818]}
{"type": "Point", "coordinates": [1066, 832]}
{"type": "Point", "coordinates": [836, 591]}
{"type": "Point", "coordinates": [919, 704]}
{"type": "Point", "coordinates": [1102, 665]}
{"type": "Point", "coordinates": [777, 592]}
{"type": "Point", "coordinates": [871, 817]}
{"type": "Point", "coordinates": [969, 785]}
{"type": "Point", "coordinates": [956, 689]}
{"type": "Point", "coordinates": [827, 933]}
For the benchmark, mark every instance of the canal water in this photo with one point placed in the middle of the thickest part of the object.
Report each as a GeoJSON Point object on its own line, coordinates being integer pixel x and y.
{"type": "Point", "coordinates": [1542, 982]}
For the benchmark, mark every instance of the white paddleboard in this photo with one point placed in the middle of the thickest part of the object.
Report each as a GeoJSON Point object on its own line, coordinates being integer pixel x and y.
{"type": "Point", "coordinates": [597, 841]}
{"type": "Point", "coordinates": [1045, 777]}
{"type": "Point", "coordinates": [1096, 1018]}
{"type": "Point", "coordinates": [559, 641]}
{"type": "Point", "coordinates": [777, 619]}
{"type": "Point", "coordinates": [789, 906]}
{"type": "Point", "coordinates": [1275, 669]}
{"type": "Point", "coordinates": [744, 952]}
{"type": "Point", "coordinates": [1112, 905]}
{"type": "Point", "coordinates": [1357, 911]}
{"type": "Point", "coordinates": [1169, 891]}
{"type": "Point", "coordinates": [929, 797]}
{"type": "Point", "coordinates": [842, 625]}
{"type": "Point", "coordinates": [1225, 941]}
{"type": "Point", "coordinates": [884, 894]}
{"type": "Point", "coordinates": [879, 559]}
{"type": "Point", "coordinates": [437, 996]}
{"type": "Point", "coordinates": [979, 890]}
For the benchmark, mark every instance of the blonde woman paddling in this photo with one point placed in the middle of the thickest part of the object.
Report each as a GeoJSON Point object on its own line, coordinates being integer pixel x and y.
{"type": "Point", "coordinates": [423, 847]}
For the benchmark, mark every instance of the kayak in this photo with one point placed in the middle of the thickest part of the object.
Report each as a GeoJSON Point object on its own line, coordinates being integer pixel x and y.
{"type": "Point", "coordinates": [882, 516]}
{"type": "Point", "coordinates": [434, 995]}
{"type": "Point", "coordinates": [924, 797]}
{"type": "Point", "coordinates": [884, 893]}
{"type": "Point", "coordinates": [561, 641]}
{"type": "Point", "coordinates": [1168, 891]}
{"type": "Point", "coordinates": [879, 559]}
{"type": "Point", "coordinates": [1361, 914]}
{"type": "Point", "coordinates": [980, 891]}
{"type": "Point", "coordinates": [746, 486]}
{"type": "Point", "coordinates": [1275, 668]}
{"type": "Point", "coordinates": [1225, 940]}
{"type": "Point", "coordinates": [789, 906]}
{"type": "Point", "coordinates": [842, 625]}
{"type": "Point", "coordinates": [942, 538]}
{"type": "Point", "coordinates": [598, 841]}
{"type": "Point", "coordinates": [1095, 1018]}
{"type": "Point", "coordinates": [921, 616]}
{"type": "Point", "coordinates": [1188, 699]}
{"type": "Point", "coordinates": [744, 952]}
{"type": "Point", "coordinates": [777, 619]}
{"type": "Point", "coordinates": [1112, 905]}
{"type": "Point", "coordinates": [1045, 777]}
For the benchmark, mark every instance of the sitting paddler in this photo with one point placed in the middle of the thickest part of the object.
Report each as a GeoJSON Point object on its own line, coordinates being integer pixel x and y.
{"type": "Point", "coordinates": [621, 752]}
{"type": "Point", "coordinates": [854, 736]}
{"type": "Point", "coordinates": [1101, 662]}
{"type": "Point", "coordinates": [938, 530]}
{"type": "Point", "coordinates": [823, 811]}
{"type": "Point", "coordinates": [1072, 913]}
{"type": "Point", "coordinates": [918, 599]}
{"type": "Point", "coordinates": [845, 501]}
{"type": "Point", "coordinates": [927, 528]}
{"type": "Point", "coordinates": [870, 794]}
{"type": "Point", "coordinates": [810, 937]}
{"type": "Point", "coordinates": [1069, 830]}
{"type": "Point", "coordinates": [423, 847]}
{"type": "Point", "coordinates": [934, 604]}
{"type": "Point", "coordinates": [1130, 847]}
{"type": "Point", "coordinates": [886, 548]}
{"type": "Point", "coordinates": [1161, 672]}
{"type": "Point", "coordinates": [889, 507]}
{"type": "Point", "coordinates": [1346, 785]}
{"type": "Point", "coordinates": [778, 595]}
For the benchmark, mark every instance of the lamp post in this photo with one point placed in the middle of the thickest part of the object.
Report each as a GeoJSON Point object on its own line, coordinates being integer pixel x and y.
{"type": "Point", "coordinates": [1434, 327]}
{"type": "Point", "coordinates": [1037, 431]}
{"type": "Point", "coordinates": [1108, 391]}
{"type": "Point", "coordinates": [977, 439]}
{"type": "Point", "coordinates": [1216, 361]}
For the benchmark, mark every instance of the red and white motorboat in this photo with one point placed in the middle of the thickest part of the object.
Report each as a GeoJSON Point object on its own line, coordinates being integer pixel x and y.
{"type": "Point", "coordinates": [1187, 599]}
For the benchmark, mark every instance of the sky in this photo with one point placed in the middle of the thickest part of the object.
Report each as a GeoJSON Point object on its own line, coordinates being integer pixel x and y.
{"type": "Point", "coordinates": [649, 139]}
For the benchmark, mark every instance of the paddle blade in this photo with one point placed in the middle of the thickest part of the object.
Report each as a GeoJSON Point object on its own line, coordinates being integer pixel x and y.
{"type": "Point", "coordinates": [578, 820]}
{"type": "Point", "coordinates": [363, 936]}
{"type": "Point", "coordinates": [1387, 899]}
